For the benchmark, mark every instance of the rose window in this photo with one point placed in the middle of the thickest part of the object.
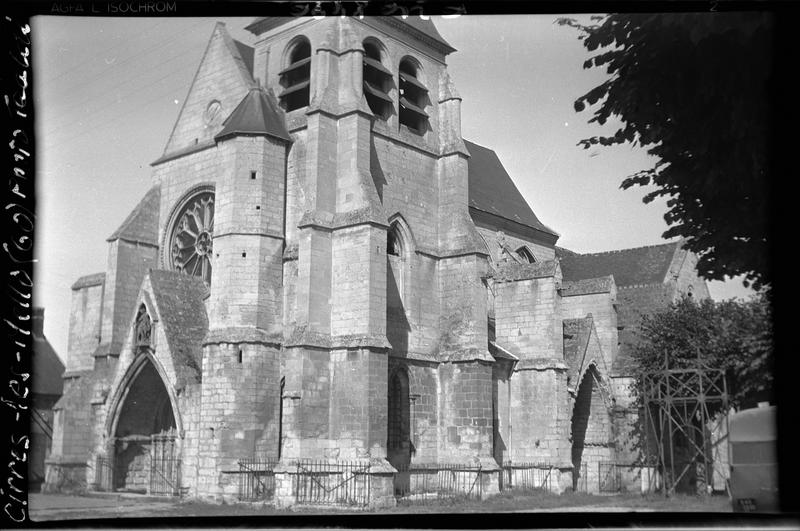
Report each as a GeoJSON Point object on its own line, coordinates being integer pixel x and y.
{"type": "Point", "coordinates": [190, 248]}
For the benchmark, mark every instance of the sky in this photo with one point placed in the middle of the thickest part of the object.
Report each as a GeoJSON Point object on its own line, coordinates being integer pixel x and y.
{"type": "Point", "coordinates": [108, 91]}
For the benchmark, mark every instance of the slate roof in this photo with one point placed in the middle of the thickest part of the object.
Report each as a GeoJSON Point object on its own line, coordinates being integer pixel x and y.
{"type": "Point", "coordinates": [630, 267]}
{"type": "Point", "coordinates": [492, 190]}
{"type": "Point", "coordinates": [427, 27]}
{"type": "Point", "coordinates": [256, 114]}
{"type": "Point", "coordinates": [561, 252]}
{"type": "Point", "coordinates": [47, 366]}
{"type": "Point", "coordinates": [247, 53]}
{"type": "Point", "coordinates": [95, 279]}
{"type": "Point", "coordinates": [141, 225]}
{"type": "Point", "coordinates": [179, 298]}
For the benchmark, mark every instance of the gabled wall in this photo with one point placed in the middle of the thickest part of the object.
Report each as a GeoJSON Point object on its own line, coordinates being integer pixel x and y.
{"type": "Point", "coordinates": [223, 77]}
{"type": "Point", "coordinates": [85, 322]}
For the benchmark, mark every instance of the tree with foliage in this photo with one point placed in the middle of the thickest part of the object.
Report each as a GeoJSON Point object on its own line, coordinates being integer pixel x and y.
{"type": "Point", "coordinates": [731, 335]}
{"type": "Point", "coordinates": [693, 89]}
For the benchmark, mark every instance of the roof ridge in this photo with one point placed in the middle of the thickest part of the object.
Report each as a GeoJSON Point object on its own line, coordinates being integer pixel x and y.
{"type": "Point", "coordinates": [93, 279]}
{"type": "Point", "coordinates": [615, 251]}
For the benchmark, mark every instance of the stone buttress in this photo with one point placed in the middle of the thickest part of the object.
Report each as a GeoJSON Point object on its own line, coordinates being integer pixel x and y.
{"type": "Point", "coordinates": [528, 324]}
{"type": "Point", "coordinates": [241, 353]}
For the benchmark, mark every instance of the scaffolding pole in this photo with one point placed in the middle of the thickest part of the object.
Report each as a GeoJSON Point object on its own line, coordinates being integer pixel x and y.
{"type": "Point", "coordinates": [677, 409]}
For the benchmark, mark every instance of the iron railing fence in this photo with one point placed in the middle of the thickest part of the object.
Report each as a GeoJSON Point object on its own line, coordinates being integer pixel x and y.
{"type": "Point", "coordinates": [256, 479]}
{"type": "Point", "coordinates": [343, 483]}
{"type": "Point", "coordinates": [528, 476]}
{"type": "Point", "coordinates": [165, 475]}
{"type": "Point", "coordinates": [582, 482]}
{"type": "Point", "coordinates": [437, 483]}
{"type": "Point", "coordinates": [103, 474]}
{"type": "Point", "coordinates": [610, 476]}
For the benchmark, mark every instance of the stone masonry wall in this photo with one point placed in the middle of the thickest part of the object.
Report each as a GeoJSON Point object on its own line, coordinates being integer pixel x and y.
{"type": "Point", "coordinates": [423, 390]}
{"type": "Point", "coordinates": [540, 417]}
{"type": "Point", "coordinates": [463, 319]}
{"type": "Point", "coordinates": [685, 277]}
{"type": "Point", "coordinates": [604, 316]}
{"type": "Point", "coordinates": [358, 281]}
{"type": "Point", "coordinates": [527, 318]}
{"type": "Point", "coordinates": [239, 416]}
{"type": "Point", "coordinates": [306, 402]}
{"type": "Point", "coordinates": [128, 265]}
{"type": "Point", "coordinates": [84, 327]}
{"type": "Point", "coordinates": [465, 411]}
{"type": "Point", "coordinates": [357, 404]}
{"type": "Point", "coordinates": [494, 237]}
{"type": "Point", "coordinates": [219, 78]}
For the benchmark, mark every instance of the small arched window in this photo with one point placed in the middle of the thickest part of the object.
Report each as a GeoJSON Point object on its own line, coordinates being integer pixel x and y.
{"type": "Point", "coordinates": [413, 97]}
{"type": "Point", "coordinates": [525, 255]}
{"type": "Point", "coordinates": [377, 81]}
{"type": "Point", "coordinates": [296, 77]}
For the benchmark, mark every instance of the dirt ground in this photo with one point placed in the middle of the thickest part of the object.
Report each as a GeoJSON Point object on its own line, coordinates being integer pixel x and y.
{"type": "Point", "coordinates": [51, 507]}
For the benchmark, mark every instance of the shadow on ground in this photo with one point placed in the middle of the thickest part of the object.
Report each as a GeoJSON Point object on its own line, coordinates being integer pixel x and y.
{"type": "Point", "coordinates": [50, 507]}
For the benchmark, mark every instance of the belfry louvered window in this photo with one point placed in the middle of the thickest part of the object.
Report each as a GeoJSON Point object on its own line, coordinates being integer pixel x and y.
{"type": "Point", "coordinates": [296, 78]}
{"type": "Point", "coordinates": [413, 97]}
{"type": "Point", "coordinates": [377, 82]}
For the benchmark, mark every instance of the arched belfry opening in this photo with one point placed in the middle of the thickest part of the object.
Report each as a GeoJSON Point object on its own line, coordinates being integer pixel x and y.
{"type": "Point", "coordinates": [377, 81]}
{"type": "Point", "coordinates": [590, 432]}
{"type": "Point", "coordinates": [295, 78]}
{"type": "Point", "coordinates": [143, 443]}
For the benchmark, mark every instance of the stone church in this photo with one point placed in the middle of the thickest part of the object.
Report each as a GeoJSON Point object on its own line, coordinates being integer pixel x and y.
{"type": "Point", "coordinates": [324, 269]}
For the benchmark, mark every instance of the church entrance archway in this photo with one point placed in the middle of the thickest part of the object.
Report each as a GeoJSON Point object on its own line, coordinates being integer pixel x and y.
{"type": "Point", "coordinates": [144, 440]}
{"type": "Point", "coordinates": [591, 432]}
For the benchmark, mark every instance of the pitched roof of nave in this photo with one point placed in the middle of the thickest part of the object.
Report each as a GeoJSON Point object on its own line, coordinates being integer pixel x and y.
{"type": "Point", "coordinates": [256, 114]}
{"type": "Point", "coordinates": [141, 225]}
{"type": "Point", "coordinates": [179, 298]}
{"type": "Point", "coordinates": [630, 267]}
{"type": "Point", "coordinates": [47, 366]}
{"type": "Point", "coordinates": [492, 190]}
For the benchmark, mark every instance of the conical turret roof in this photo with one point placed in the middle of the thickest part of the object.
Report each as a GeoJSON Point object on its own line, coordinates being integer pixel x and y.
{"type": "Point", "coordinates": [256, 114]}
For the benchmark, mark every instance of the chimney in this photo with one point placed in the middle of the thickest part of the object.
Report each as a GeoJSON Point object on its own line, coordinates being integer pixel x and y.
{"type": "Point", "coordinates": [38, 322]}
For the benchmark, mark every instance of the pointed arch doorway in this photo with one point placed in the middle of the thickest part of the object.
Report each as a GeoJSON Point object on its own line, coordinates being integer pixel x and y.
{"type": "Point", "coordinates": [590, 432]}
{"type": "Point", "coordinates": [143, 446]}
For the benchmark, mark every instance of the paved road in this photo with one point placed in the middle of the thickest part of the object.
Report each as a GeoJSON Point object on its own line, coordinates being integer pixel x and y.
{"type": "Point", "coordinates": [44, 507]}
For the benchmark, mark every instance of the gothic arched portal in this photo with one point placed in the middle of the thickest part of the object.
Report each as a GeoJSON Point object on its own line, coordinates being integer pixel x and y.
{"type": "Point", "coordinates": [591, 432]}
{"type": "Point", "coordinates": [144, 432]}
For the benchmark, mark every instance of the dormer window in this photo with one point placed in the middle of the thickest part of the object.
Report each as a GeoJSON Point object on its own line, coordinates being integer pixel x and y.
{"type": "Point", "coordinates": [377, 81]}
{"type": "Point", "coordinates": [413, 98]}
{"type": "Point", "coordinates": [296, 78]}
{"type": "Point", "coordinates": [525, 255]}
